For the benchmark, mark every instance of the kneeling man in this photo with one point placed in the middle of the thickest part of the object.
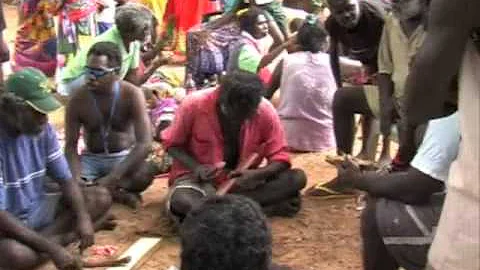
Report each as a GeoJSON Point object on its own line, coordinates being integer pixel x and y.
{"type": "Point", "coordinates": [221, 128]}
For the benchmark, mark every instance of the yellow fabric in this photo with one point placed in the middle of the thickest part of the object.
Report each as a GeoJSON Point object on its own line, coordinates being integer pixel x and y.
{"type": "Point", "coordinates": [396, 52]}
{"type": "Point", "coordinates": [373, 98]}
{"type": "Point", "coordinates": [158, 8]}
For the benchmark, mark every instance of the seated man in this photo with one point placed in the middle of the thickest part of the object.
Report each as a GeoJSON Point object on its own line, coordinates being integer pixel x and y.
{"type": "Point", "coordinates": [116, 128]}
{"type": "Point", "coordinates": [356, 27]}
{"type": "Point", "coordinates": [404, 209]}
{"type": "Point", "coordinates": [227, 232]}
{"type": "Point", "coordinates": [34, 222]}
{"type": "Point", "coordinates": [133, 25]}
{"type": "Point", "coordinates": [227, 125]}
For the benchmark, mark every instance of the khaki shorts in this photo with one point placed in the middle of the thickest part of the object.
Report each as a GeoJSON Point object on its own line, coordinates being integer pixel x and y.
{"type": "Point", "coordinates": [373, 99]}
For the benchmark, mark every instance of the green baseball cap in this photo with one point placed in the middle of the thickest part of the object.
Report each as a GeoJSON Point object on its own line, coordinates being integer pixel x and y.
{"type": "Point", "coordinates": [33, 86]}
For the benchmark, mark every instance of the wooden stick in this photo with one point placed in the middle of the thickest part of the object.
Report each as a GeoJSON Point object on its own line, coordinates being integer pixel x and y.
{"type": "Point", "coordinates": [227, 186]}
{"type": "Point", "coordinates": [109, 262]}
{"type": "Point", "coordinates": [139, 251]}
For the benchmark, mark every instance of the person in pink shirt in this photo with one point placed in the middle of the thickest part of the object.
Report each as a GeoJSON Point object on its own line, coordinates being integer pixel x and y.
{"type": "Point", "coordinates": [217, 129]}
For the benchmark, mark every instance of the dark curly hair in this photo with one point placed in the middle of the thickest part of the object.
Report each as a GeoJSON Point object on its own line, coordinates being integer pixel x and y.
{"type": "Point", "coordinates": [241, 93]}
{"type": "Point", "coordinates": [108, 49]}
{"type": "Point", "coordinates": [312, 37]}
{"type": "Point", "coordinates": [17, 117]}
{"type": "Point", "coordinates": [227, 233]}
{"type": "Point", "coordinates": [249, 19]}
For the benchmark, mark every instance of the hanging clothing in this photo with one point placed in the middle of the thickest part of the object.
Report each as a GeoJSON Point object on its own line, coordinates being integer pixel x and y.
{"type": "Point", "coordinates": [76, 19]}
{"type": "Point", "coordinates": [36, 42]}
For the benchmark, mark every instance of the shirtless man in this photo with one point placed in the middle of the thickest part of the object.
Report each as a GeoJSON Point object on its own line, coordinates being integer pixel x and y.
{"type": "Point", "coordinates": [452, 45]}
{"type": "Point", "coordinates": [116, 129]}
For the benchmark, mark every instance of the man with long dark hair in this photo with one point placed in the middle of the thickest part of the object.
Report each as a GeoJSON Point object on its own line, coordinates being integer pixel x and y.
{"type": "Point", "coordinates": [227, 125]}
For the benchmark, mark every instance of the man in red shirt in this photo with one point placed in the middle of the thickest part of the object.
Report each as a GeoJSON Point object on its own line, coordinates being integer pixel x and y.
{"type": "Point", "coordinates": [220, 128]}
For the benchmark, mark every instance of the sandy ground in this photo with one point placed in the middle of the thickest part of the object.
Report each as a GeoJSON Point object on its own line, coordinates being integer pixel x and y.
{"type": "Point", "coordinates": [324, 235]}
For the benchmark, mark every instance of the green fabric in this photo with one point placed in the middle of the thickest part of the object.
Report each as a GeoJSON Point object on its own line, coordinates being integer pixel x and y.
{"type": "Point", "coordinates": [131, 60]}
{"type": "Point", "coordinates": [249, 59]}
{"type": "Point", "coordinates": [33, 86]}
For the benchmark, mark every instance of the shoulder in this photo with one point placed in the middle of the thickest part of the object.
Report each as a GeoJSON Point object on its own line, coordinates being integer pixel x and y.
{"type": "Point", "coordinates": [372, 10]}
{"type": "Point", "coordinates": [200, 100]}
{"type": "Point", "coordinates": [77, 97]}
{"type": "Point", "coordinates": [266, 112]}
{"type": "Point", "coordinates": [331, 25]}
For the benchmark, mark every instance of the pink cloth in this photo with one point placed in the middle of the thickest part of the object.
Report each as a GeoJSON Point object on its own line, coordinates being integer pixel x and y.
{"type": "Point", "coordinates": [306, 95]}
{"type": "Point", "coordinates": [196, 129]}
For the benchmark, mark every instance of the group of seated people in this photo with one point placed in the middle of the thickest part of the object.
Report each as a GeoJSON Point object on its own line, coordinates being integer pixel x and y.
{"type": "Point", "coordinates": [224, 134]}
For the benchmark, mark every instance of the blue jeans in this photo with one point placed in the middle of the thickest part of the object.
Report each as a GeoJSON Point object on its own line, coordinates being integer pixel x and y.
{"type": "Point", "coordinates": [97, 165]}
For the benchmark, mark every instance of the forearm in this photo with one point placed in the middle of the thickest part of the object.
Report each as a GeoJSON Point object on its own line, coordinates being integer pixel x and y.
{"type": "Point", "coordinates": [147, 73]}
{"type": "Point", "coordinates": [335, 64]}
{"type": "Point", "coordinates": [74, 161]}
{"type": "Point", "coordinates": [13, 228]}
{"type": "Point", "coordinates": [74, 198]}
{"type": "Point", "coordinates": [267, 59]}
{"type": "Point", "coordinates": [136, 156]}
{"type": "Point", "coordinates": [272, 169]}
{"type": "Point", "coordinates": [386, 89]}
{"type": "Point", "coordinates": [181, 155]}
{"type": "Point", "coordinates": [411, 187]}
{"type": "Point", "coordinates": [276, 33]}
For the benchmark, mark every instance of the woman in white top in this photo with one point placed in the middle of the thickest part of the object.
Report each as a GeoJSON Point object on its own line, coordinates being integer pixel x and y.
{"type": "Point", "coordinates": [307, 87]}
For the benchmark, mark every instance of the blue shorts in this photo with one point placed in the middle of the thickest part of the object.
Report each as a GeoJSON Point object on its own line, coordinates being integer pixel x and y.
{"type": "Point", "coordinates": [95, 166]}
{"type": "Point", "coordinates": [44, 212]}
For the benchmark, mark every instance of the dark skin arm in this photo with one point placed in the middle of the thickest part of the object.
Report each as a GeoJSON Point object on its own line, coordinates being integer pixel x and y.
{"type": "Point", "coordinates": [385, 88]}
{"type": "Point", "coordinates": [267, 59]}
{"type": "Point", "coordinates": [251, 178]}
{"type": "Point", "coordinates": [201, 172]}
{"type": "Point", "coordinates": [438, 60]}
{"type": "Point", "coordinates": [410, 187]}
{"type": "Point", "coordinates": [13, 228]}
{"type": "Point", "coordinates": [335, 61]}
{"type": "Point", "coordinates": [137, 79]}
{"type": "Point", "coordinates": [276, 79]}
{"type": "Point", "coordinates": [74, 198]}
{"type": "Point", "coordinates": [72, 134]}
{"type": "Point", "coordinates": [143, 138]}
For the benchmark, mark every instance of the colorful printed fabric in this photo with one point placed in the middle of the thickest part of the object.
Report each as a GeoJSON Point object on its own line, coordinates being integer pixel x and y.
{"type": "Point", "coordinates": [36, 43]}
{"type": "Point", "coordinates": [77, 18]}
{"type": "Point", "coordinates": [211, 58]}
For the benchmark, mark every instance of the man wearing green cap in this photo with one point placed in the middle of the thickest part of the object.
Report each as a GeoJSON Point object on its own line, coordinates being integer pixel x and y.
{"type": "Point", "coordinates": [33, 226]}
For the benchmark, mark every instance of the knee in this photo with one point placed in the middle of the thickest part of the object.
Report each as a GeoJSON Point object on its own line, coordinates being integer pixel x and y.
{"type": "Point", "coordinates": [17, 255]}
{"type": "Point", "coordinates": [140, 183]}
{"type": "Point", "coordinates": [298, 178]}
{"type": "Point", "coordinates": [181, 202]}
{"type": "Point", "coordinates": [339, 99]}
{"type": "Point", "coordinates": [103, 199]}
